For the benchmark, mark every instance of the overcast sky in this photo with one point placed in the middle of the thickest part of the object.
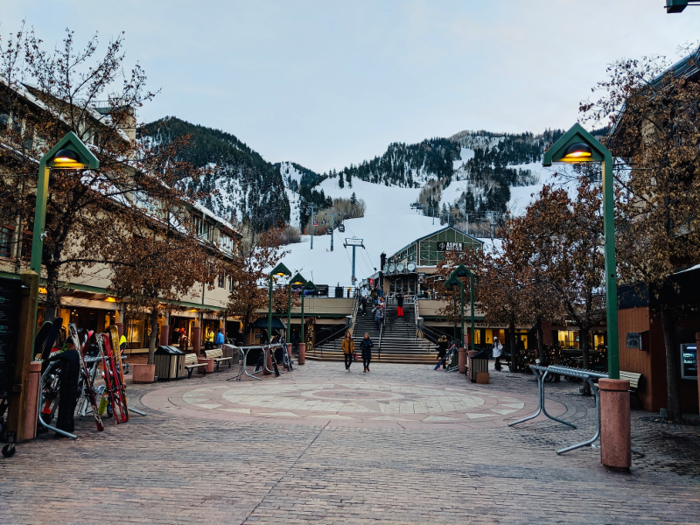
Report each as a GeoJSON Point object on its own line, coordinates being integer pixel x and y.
{"type": "Point", "coordinates": [328, 82]}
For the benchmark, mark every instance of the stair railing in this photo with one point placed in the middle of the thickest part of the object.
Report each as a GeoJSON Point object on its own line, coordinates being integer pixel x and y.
{"type": "Point", "coordinates": [381, 332]}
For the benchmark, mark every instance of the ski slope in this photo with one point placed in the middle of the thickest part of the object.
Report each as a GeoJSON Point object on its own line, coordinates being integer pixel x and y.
{"type": "Point", "coordinates": [389, 224]}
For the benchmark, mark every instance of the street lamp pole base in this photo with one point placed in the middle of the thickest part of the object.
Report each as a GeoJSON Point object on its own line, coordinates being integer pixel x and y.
{"type": "Point", "coordinates": [615, 425]}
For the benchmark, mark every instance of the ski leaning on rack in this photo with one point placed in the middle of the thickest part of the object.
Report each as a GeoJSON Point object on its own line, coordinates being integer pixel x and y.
{"type": "Point", "coordinates": [114, 337]}
{"type": "Point", "coordinates": [88, 387]}
{"type": "Point", "coordinates": [112, 382]}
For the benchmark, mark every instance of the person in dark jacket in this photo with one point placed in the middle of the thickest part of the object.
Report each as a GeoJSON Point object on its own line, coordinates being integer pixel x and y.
{"type": "Point", "coordinates": [366, 345]}
{"type": "Point", "coordinates": [399, 302]}
{"type": "Point", "coordinates": [442, 348]}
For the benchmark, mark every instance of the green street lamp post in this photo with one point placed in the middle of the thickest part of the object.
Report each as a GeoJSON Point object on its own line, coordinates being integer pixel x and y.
{"type": "Point", "coordinates": [297, 280]}
{"type": "Point", "coordinates": [280, 271]}
{"type": "Point", "coordinates": [455, 280]}
{"type": "Point", "coordinates": [577, 145]}
{"type": "Point", "coordinates": [308, 285]}
{"type": "Point", "coordinates": [69, 154]}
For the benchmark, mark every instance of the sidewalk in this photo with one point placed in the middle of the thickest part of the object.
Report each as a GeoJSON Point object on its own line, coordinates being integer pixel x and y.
{"type": "Point", "coordinates": [191, 462]}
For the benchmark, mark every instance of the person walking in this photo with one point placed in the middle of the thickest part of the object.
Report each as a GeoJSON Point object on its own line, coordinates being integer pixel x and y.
{"type": "Point", "coordinates": [442, 348]}
{"type": "Point", "coordinates": [183, 342]}
{"type": "Point", "coordinates": [378, 314]}
{"type": "Point", "coordinates": [366, 345]}
{"type": "Point", "coordinates": [399, 303]}
{"type": "Point", "coordinates": [497, 351]}
{"type": "Point", "coordinates": [348, 347]}
{"type": "Point", "coordinates": [363, 304]}
{"type": "Point", "coordinates": [220, 338]}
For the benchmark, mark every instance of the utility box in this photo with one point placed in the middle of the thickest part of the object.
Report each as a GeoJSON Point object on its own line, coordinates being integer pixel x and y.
{"type": "Point", "coordinates": [338, 292]}
{"type": "Point", "coordinates": [170, 363]}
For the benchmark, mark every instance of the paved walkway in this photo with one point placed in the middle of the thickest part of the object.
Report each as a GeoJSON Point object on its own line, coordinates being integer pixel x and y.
{"type": "Point", "coordinates": [402, 444]}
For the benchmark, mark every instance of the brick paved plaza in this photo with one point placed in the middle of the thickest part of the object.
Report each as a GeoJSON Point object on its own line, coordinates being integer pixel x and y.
{"type": "Point", "coordinates": [402, 444]}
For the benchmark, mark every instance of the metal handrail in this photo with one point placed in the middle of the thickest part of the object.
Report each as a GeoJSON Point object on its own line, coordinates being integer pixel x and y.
{"type": "Point", "coordinates": [331, 336]}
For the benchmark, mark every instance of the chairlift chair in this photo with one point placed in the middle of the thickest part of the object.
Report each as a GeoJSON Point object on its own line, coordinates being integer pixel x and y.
{"type": "Point", "coordinates": [341, 228]}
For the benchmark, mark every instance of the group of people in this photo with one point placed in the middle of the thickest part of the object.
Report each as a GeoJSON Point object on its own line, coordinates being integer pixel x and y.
{"type": "Point", "coordinates": [348, 346]}
{"type": "Point", "coordinates": [443, 346]}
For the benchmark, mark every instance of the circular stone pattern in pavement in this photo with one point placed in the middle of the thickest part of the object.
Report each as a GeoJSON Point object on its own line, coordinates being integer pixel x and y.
{"type": "Point", "coordinates": [345, 403]}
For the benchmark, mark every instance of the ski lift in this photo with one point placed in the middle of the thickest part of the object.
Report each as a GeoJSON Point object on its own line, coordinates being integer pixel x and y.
{"type": "Point", "coordinates": [323, 222]}
{"type": "Point", "coordinates": [329, 230]}
{"type": "Point", "coordinates": [341, 228]}
{"type": "Point", "coordinates": [315, 222]}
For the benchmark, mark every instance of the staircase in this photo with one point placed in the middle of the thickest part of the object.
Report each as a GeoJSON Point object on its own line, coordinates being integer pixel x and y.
{"type": "Point", "coordinates": [395, 343]}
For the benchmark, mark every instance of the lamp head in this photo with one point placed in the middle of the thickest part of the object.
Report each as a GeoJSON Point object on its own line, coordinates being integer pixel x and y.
{"type": "Point", "coordinates": [578, 152]}
{"type": "Point", "coordinates": [461, 271]}
{"type": "Point", "coordinates": [280, 270]}
{"type": "Point", "coordinates": [67, 159]}
{"type": "Point", "coordinates": [297, 280]}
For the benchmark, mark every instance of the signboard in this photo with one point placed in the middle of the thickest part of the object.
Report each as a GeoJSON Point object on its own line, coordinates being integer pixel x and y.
{"type": "Point", "coordinates": [371, 282]}
{"type": "Point", "coordinates": [634, 340]}
{"type": "Point", "coordinates": [444, 246]}
{"type": "Point", "coordinates": [315, 223]}
{"type": "Point", "coordinates": [689, 361]}
{"type": "Point", "coordinates": [9, 313]}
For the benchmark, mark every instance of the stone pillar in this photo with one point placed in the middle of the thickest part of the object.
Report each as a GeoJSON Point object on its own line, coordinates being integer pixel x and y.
{"type": "Point", "coordinates": [615, 425]}
{"type": "Point", "coordinates": [697, 345]}
{"type": "Point", "coordinates": [196, 339]}
{"type": "Point", "coordinates": [164, 334]}
{"type": "Point", "coordinates": [30, 418]}
{"type": "Point", "coordinates": [462, 360]}
{"type": "Point", "coordinates": [301, 356]}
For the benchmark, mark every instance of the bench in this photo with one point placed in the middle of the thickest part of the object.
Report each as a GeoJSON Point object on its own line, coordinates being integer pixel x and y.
{"type": "Point", "coordinates": [634, 379]}
{"type": "Point", "coordinates": [192, 362]}
{"type": "Point", "coordinates": [218, 356]}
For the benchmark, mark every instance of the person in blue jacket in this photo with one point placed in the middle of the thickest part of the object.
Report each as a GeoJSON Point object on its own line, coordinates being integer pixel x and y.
{"type": "Point", "coordinates": [220, 338]}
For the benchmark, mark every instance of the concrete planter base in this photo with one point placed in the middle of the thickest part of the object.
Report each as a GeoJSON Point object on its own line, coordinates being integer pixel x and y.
{"type": "Point", "coordinates": [143, 373]}
{"type": "Point", "coordinates": [210, 365]}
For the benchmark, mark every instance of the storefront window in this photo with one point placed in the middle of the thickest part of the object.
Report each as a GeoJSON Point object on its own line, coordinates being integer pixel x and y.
{"type": "Point", "coordinates": [477, 336]}
{"type": "Point", "coordinates": [489, 336]}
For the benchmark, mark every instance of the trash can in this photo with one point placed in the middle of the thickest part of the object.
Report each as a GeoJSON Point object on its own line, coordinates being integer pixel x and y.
{"type": "Point", "coordinates": [170, 363]}
{"type": "Point", "coordinates": [478, 364]}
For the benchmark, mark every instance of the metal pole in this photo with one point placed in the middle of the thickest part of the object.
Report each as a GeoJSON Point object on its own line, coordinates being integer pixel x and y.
{"type": "Point", "coordinates": [288, 336]}
{"type": "Point", "coordinates": [269, 314]}
{"type": "Point", "coordinates": [353, 264]}
{"type": "Point", "coordinates": [42, 193]}
{"type": "Point", "coordinates": [461, 301]}
{"type": "Point", "coordinates": [471, 293]}
{"type": "Point", "coordinates": [302, 316]}
{"type": "Point", "coordinates": [610, 268]}
{"type": "Point", "coordinates": [332, 226]}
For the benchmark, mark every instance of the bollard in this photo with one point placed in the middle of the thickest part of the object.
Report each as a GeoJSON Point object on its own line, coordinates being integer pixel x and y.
{"type": "Point", "coordinates": [462, 360]}
{"type": "Point", "coordinates": [615, 425]}
{"type": "Point", "coordinates": [31, 416]}
{"type": "Point", "coordinates": [301, 355]}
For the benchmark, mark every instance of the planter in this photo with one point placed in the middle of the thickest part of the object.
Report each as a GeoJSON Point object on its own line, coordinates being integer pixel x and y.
{"type": "Point", "coordinates": [143, 373]}
{"type": "Point", "coordinates": [210, 365]}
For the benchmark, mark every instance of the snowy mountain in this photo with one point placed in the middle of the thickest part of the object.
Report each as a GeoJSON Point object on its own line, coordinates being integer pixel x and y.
{"type": "Point", "coordinates": [240, 185]}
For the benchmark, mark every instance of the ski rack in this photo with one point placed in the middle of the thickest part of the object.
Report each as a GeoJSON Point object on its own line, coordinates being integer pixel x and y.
{"type": "Point", "coordinates": [49, 368]}
{"type": "Point", "coordinates": [244, 351]}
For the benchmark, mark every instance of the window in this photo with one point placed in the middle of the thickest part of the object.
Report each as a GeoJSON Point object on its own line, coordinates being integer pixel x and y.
{"type": "Point", "coordinates": [201, 228]}
{"type": "Point", "coordinates": [230, 284]}
{"type": "Point", "coordinates": [222, 280]}
{"type": "Point", "coordinates": [6, 233]}
{"type": "Point", "coordinates": [226, 242]}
